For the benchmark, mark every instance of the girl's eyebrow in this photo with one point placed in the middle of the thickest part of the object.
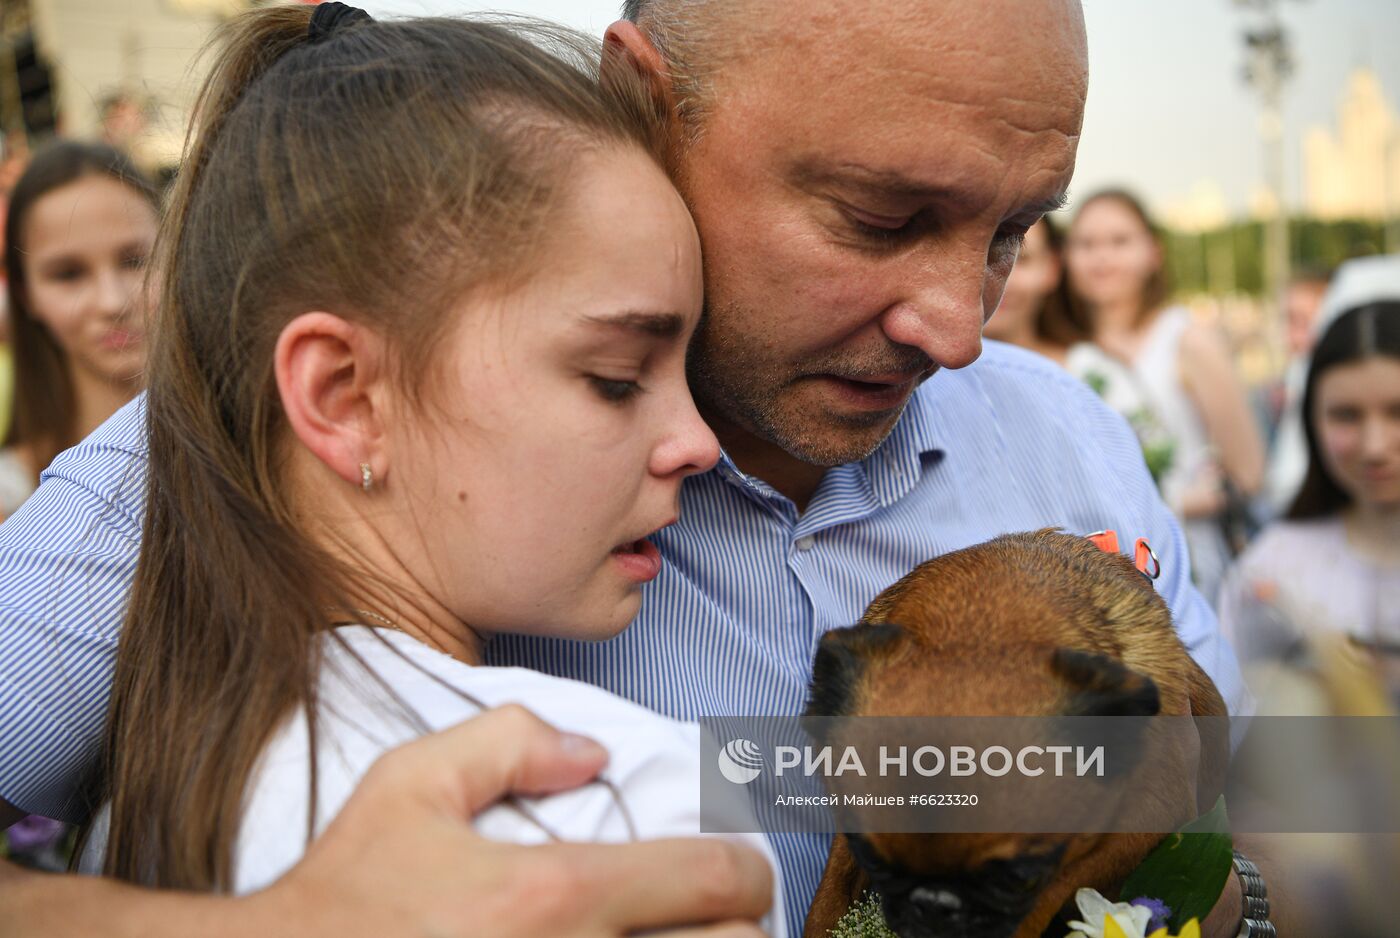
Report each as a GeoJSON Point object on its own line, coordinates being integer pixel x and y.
{"type": "Point", "coordinates": [658, 325]}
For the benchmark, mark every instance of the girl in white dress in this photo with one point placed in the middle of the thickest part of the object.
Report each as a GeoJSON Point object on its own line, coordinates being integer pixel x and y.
{"type": "Point", "coordinates": [1116, 269]}
{"type": "Point", "coordinates": [419, 378]}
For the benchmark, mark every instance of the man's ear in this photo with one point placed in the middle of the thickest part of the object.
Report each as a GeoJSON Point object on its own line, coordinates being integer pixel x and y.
{"type": "Point", "coordinates": [627, 47]}
{"type": "Point", "coordinates": [329, 372]}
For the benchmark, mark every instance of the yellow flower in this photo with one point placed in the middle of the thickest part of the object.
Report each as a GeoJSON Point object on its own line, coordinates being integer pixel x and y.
{"type": "Point", "coordinates": [1111, 929]}
{"type": "Point", "coordinates": [1126, 920]}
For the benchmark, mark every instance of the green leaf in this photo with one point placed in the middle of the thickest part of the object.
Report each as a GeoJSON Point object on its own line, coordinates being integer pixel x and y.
{"type": "Point", "coordinates": [1188, 870]}
{"type": "Point", "coordinates": [1214, 821]}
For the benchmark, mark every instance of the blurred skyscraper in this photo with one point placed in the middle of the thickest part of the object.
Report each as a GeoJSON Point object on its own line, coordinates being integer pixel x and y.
{"type": "Point", "coordinates": [1353, 170]}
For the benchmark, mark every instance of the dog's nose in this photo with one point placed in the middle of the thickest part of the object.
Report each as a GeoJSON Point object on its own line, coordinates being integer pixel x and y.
{"type": "Point", "coordinates": [944, 899]}
{"type": "Point", "coordinates": [940, 912]}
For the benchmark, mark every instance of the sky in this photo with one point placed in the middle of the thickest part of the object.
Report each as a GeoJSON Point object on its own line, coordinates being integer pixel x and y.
{"type": "Point", "coordinates": [1168, 107]}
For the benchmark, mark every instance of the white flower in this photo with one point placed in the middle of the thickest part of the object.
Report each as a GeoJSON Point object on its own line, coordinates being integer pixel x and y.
{"type": "Point", "coordinates": [1095, 910]}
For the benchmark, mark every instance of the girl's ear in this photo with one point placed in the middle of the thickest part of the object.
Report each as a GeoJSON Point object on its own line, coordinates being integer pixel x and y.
{"type": "Point", "coordinates": [329, 375]}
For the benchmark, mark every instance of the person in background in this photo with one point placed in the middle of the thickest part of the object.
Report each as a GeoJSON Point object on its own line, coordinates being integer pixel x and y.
{"type": "Point", "coordinates": [1035, 310]}
{"type": "Point", "coordinates": [1301, 305]}
{"type": "Point", "coordinates": [1313, 606]}
{"type": "Point", "coordinates": [1332, 564]}
{"type": "Point", "coordinates": [80, 227]}
{"type": "Point", "coordinates": [1037, 313]}
{"type": "Point", "coordinates": [13, 157]}
{"type": "Point", "coordinates": [125, 118]}
{"type": "Point", "coordinates": [1354, 283]}
{"type": "Point", "coordinates": [1115, 260]}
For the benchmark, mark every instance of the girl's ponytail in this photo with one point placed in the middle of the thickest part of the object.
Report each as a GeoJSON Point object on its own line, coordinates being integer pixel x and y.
{"type": "Point", "coordinates": [242, 51]}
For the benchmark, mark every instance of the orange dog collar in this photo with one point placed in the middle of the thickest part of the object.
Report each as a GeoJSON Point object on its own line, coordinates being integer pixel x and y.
{"type": "Point", "coordinates": [1144, 557]}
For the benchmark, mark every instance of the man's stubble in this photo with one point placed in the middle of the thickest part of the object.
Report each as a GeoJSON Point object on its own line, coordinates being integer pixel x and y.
{"type": "Point", "coordinates": [738, 378]}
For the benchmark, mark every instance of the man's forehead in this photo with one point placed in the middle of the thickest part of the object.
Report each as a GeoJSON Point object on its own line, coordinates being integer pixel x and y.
{"type": "Point", "coordinates": [932, 120]}
{"type": "Point", "coordinates": [1008, 57]}
{"type": "Point", "coordinates": [992, 28]}
{"type": "Point", "coordinates": [962, 105]}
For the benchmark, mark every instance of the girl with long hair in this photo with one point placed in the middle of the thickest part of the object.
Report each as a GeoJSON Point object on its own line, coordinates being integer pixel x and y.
{"type": "Point", "coordinates": [419, 378]}
{"type": "Point", "coordinates": [1116, 263]}
{"type": "Point", "coordinates": [1331, 567]}
{"type": "Point", "coordinates": [1313, 607]}
{"type": "Point", "coordinates": [81, 223]}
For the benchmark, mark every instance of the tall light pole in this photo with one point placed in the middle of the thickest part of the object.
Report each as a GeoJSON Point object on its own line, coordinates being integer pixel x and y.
{"type": "Point", "coordinates": [1268, 66]}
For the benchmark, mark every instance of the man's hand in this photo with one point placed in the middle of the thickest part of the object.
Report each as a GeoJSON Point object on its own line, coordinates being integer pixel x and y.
{"type": "Point", "coordinates": [1224, 920]}
{"type": "Point", "coordinates": [1285, 912]}
{"type": "Point", "coordinates": [402, 852]}
{"type": "Point", "coordinates": [402, 859]}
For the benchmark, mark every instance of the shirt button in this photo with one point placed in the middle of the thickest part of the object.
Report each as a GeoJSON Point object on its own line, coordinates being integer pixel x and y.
{"type": "Point", "coordinates": [805, 542]}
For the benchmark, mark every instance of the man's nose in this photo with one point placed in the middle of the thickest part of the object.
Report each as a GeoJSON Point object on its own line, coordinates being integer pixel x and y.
{"type": "Point", "coordinates": [942, 312]}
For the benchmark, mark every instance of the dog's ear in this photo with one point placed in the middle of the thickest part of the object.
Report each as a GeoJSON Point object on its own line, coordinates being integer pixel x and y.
{"type": "Point", "coordinates": [1104, 687]}
{"type": "Point", "coordinates": [839, 664]}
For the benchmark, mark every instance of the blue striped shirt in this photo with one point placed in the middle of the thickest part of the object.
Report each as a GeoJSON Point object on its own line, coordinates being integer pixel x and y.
{"type": "Point", "coordinates": [1011, 443]}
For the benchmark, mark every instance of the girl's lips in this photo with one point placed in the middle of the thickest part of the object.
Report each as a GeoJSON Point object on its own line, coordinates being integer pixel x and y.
{"type": "Point", "coordinates": [118, 339]}
{"type": "Point", "coordinates": [640, 561]}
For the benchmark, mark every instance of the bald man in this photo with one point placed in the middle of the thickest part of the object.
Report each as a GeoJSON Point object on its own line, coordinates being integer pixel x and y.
{"type": "Point", "coordinates": [861, 176]}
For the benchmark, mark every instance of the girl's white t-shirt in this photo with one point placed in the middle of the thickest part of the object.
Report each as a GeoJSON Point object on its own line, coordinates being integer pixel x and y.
{"type": "Point", "coordinates": [654, 761]}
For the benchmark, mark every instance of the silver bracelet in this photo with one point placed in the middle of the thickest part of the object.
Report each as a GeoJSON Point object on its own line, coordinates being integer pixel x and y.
{"type": "Point", "coordinates": [1255, 896]}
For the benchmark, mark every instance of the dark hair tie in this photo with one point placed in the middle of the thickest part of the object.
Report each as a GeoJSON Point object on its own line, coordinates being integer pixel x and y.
{"type": "Point", "coordinates": [331, 17]}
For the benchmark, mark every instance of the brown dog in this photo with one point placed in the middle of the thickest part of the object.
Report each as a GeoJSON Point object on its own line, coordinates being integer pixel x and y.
{"type": "Point", "coordinates": [1024, 625]}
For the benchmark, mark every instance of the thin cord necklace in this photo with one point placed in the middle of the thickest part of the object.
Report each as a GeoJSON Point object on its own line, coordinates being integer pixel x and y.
{"type": "Point", "coordinates": [510, 800]}
{"type": "Point", "coordinates": [378, 618]}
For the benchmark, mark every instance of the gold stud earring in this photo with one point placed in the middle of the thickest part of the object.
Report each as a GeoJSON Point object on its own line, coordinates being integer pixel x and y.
{"type": "Point", "coordinates": [366, 476]}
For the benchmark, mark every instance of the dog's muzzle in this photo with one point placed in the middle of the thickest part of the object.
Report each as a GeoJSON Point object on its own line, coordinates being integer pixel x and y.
{"type": "Point", "coordinates": [989, 902]}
